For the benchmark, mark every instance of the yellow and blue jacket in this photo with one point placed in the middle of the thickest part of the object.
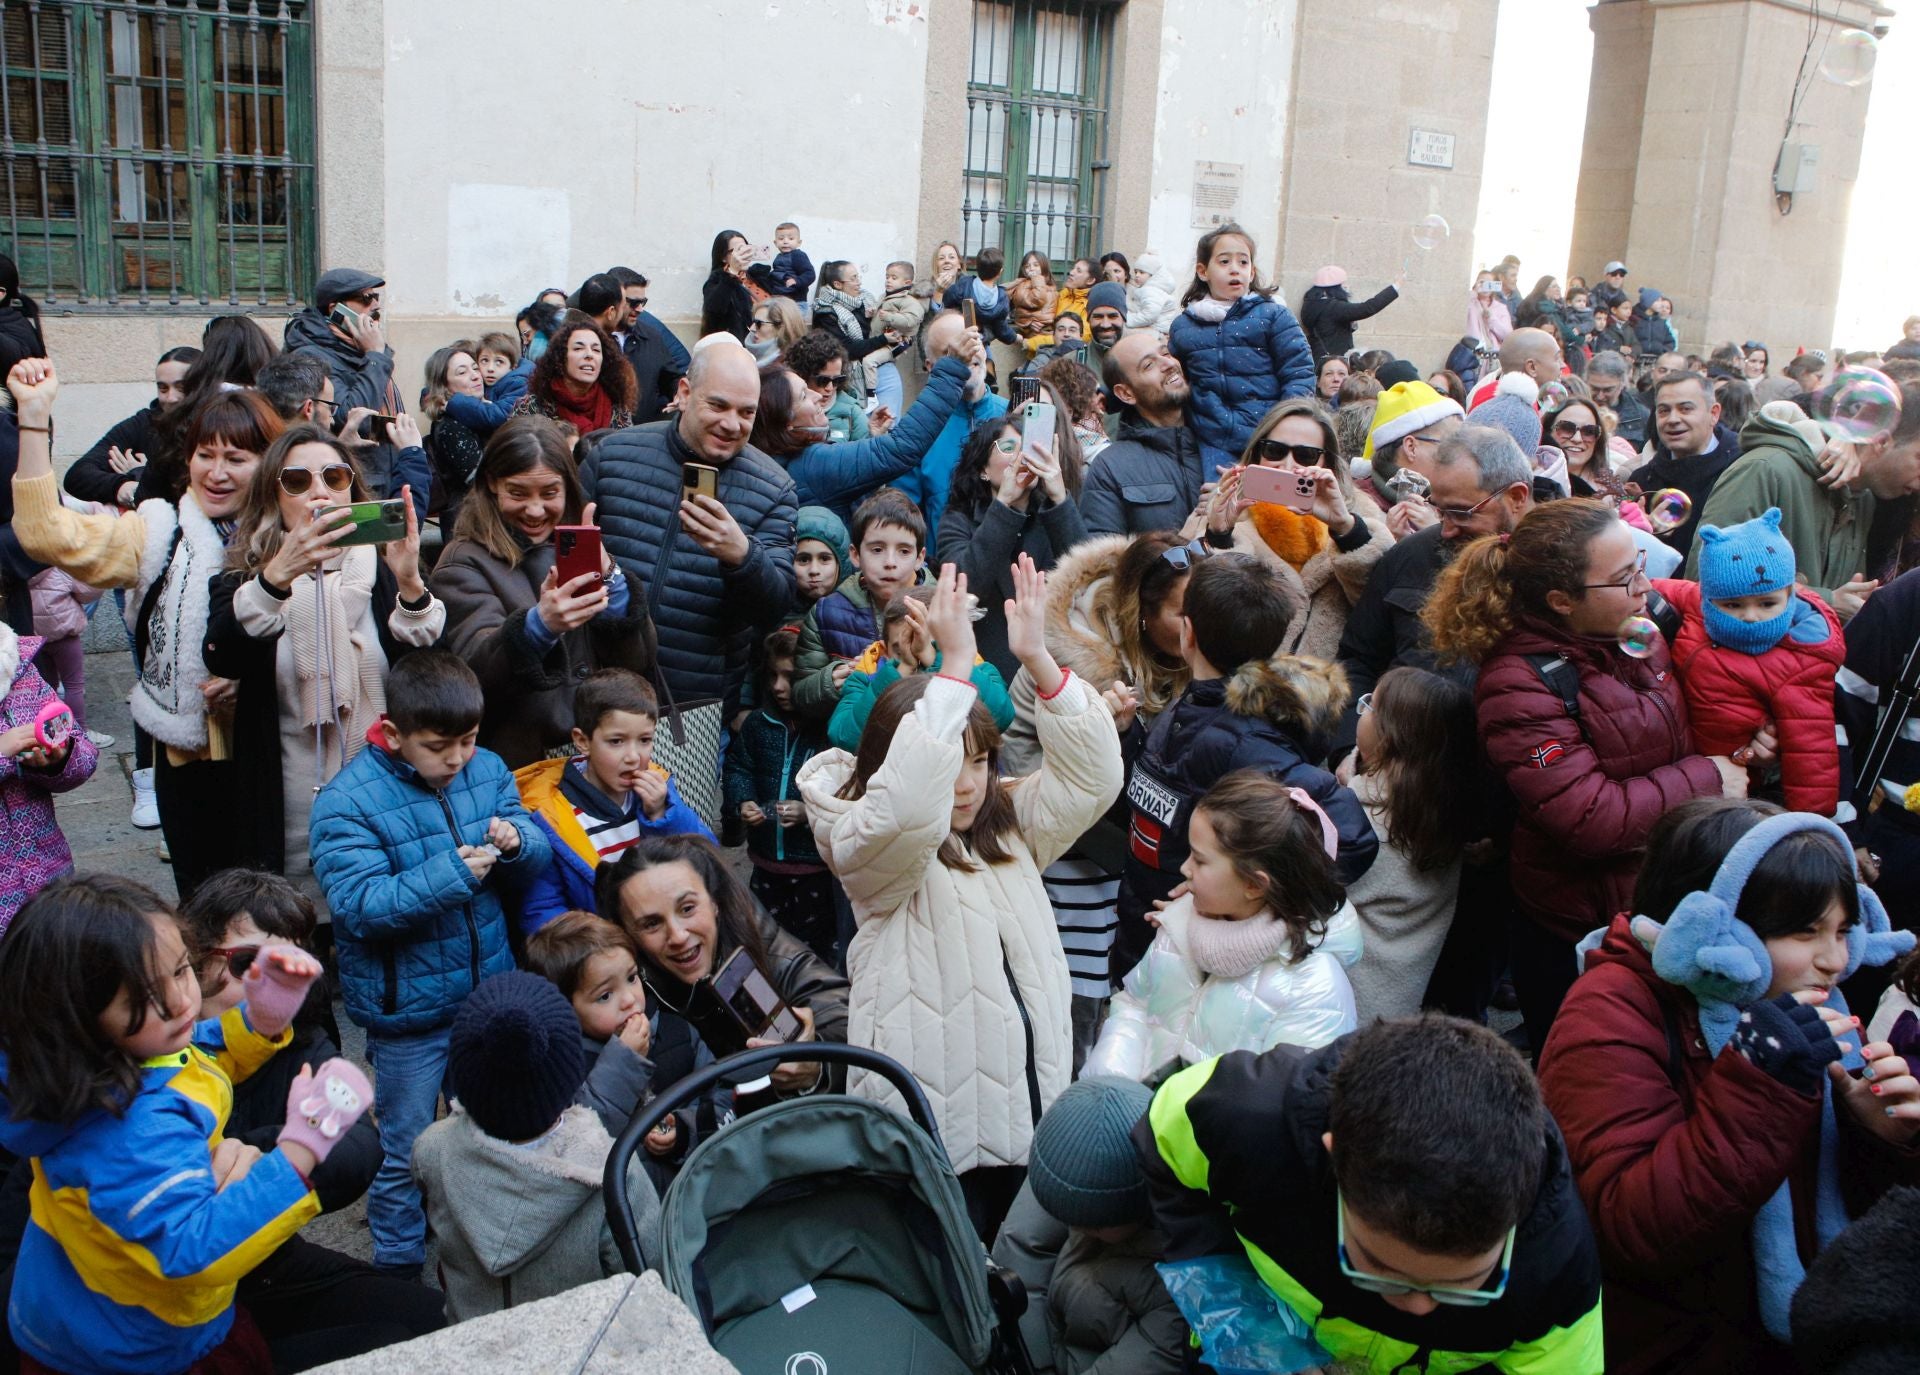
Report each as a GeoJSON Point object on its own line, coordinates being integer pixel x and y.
{"type": "Point", "coordinates": [129, 1264]}
{"type": "Point", "coordinates": [1234, 1162]}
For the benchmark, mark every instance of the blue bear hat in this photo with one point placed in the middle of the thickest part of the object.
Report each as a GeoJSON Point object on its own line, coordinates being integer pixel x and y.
{"type": "Point", "coordinates": [1745, 559]}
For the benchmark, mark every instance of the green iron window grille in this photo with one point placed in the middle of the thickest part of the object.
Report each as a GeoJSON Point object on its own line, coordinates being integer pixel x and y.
{"type": "Point", "coordinates": [158, 152]}
{"type": "Point", "coordinates": [1038, 89]}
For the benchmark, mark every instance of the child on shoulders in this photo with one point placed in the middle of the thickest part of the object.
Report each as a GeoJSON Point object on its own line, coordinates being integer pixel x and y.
{"type": "Point", "coordinates": [889, 554]}
{"type": "Point", "coordinates": [605, 797]}
{"type": "Point", "coordinates": [906, 647]}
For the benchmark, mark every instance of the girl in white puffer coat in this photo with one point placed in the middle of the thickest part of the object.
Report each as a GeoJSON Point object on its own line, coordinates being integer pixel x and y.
{"type": "Point", "coordinates": [956, 967]}
{"type": "Point", "coordinates": [1255, 954]}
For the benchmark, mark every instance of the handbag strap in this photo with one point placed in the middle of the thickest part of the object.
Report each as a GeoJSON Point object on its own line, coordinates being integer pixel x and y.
{"type": "Point", "coordinates": [665, 691]}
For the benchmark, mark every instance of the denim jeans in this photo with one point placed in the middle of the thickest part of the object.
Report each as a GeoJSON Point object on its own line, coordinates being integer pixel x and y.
{"type": "Point", "coordinates": [407, 1074]}
{"type": "Point", "coordinates": [890, 390]}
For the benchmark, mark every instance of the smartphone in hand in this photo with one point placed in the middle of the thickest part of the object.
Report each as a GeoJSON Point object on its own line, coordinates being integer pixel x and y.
{"type": "Point", "coordinates": [699, 479]}
{"type": "Point", "coordinates": [576, 553]}
{"type": "Point", "coordinates": [1278, 486]}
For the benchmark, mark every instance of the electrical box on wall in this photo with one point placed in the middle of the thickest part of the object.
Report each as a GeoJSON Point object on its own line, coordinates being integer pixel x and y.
{"type": "Point", "coordinates": [1797, 170]}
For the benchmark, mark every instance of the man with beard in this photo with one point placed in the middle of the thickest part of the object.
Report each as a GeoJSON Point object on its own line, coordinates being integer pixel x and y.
{"type": "Point", "coordinates": [1481, 485]}
{"type": "Point", "coordinates": [1150, 477]}
{"type": "Point", "coordinates": [1106, 320]}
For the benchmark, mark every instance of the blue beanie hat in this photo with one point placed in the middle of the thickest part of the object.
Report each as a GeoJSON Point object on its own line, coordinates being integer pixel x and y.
{"type": "Point", "coordinates": [1081, 1163]}
{"type": "Point", "coordinates": [1107, 294]}
{"type": "Point", "coordinates": [818, 523]}
{"type": "Point", "coordinates": [1745, 560]}
{"type": "Point", "coordinates": [514, 1058]}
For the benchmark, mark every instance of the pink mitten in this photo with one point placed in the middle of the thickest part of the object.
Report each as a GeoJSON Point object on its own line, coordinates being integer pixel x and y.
{"type": "Point", "coordinates": [321, 1108]}
{"type": "Point", "coordinates": [277, 982]}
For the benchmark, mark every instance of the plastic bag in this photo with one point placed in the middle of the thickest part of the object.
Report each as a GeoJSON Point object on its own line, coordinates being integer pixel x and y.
{"type": "Point", "coordinates": [1243, 1327]}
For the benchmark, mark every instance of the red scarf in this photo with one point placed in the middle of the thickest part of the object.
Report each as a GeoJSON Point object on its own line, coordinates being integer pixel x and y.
{"type": "Point", "coordinates": [588, 413]}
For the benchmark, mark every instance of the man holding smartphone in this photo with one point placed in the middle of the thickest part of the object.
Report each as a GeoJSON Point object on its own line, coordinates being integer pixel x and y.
{"type": "Point", "coordinates": [344, 330]}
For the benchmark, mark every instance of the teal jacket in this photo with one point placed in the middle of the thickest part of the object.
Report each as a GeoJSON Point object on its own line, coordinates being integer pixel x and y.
{"type": "Point", "coordinates": [862, 690]}
{"type": "Point", "coordinates": [131, 1258]}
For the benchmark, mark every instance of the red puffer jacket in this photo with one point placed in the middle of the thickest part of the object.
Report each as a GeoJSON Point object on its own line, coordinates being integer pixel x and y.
{"type": "Point", "coordinates": [1590, 790]}
{"type": "Point", "coordinates": [1730, 695]}
{"type": "Point", "coordinates": [1672, 1173]}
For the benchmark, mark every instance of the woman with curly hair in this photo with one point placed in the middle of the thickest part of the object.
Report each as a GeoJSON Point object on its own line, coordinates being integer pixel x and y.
{"type": "Point", "coordinates": [581, 379]}
{"type": "Point", "coordinates": [1592, 742]}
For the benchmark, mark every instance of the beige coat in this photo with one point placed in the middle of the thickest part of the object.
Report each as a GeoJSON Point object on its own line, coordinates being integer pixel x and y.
{"type": "Point", "coordinates": [958, 973]}
{"type": "Point", "coordinates": [1328, 584]}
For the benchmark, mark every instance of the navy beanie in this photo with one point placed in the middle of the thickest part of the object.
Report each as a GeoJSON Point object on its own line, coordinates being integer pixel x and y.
{"type": "Point", "coordinates": [1082, 1164]}
{"type": "Point", "coordinates": [514, 1058]}
{"type": "Point", "coordinates": [1106, 294]}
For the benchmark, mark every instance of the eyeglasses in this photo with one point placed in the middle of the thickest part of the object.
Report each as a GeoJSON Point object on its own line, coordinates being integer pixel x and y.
{"type": "Point", "coordinates": [821, 380]}
{"type": "Point", "coordinates": [326, 401]}
{"type": "Point", "coordinates": [1184, 556]}
{"type": "Point", "coordinates": [1460, 514]}
{"type": "Point", "coordinates": [1566, 429]}
{"type": "Point", "coordinates": [759, 323]}
{"type": "Point", "coordinates": [239, 958]}
{"type": "Point", "coordinates": [1006, 444]}
{"type": "Point", "coordinates": [1638, 574]}
{"type": "Point", "coordinates": [1363, 704]}
{"type": "Point", "coordinates": [1439, 1293]}
{"type": "Point", "coordinates": [297, 482]}
{"type": "Point", "coordinates": [368, 298]}
{"type": "Point", "coordinates": [1306, 455]}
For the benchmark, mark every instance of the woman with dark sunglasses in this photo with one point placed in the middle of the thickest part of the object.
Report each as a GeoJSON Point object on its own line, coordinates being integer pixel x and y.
{"type": "Point", "coordinates": [307, 624]}
{"type": "Point", "coordinates": [1324, 554]}
{"type": "Point", "coordinates": [1579, 430]}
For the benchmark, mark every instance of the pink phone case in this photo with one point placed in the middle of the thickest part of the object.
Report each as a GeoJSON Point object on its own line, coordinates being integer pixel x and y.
{"type": "Point", "coordinates": [1277, 486]}
{"type": "Point", "coordinates": [53, 727]}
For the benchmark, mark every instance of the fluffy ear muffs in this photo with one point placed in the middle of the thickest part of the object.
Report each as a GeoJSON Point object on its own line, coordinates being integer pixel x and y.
{"type": "Point", "coordinates": [1705, 948]}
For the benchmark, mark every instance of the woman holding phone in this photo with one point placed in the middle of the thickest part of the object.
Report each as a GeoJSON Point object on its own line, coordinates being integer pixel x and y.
{"type": "Point", "coordinates": [530, 636]}
{"type": "Point", "coordinates": [689, 916]}
{"type": "Point", "coordinates": [1016, 490]}
{"type": "Point", "coordinates": [306, 619]}
{"type": "Point", "coordinates": [166, 550]}
{"type": "Point", "coordinates": [1324, 548]}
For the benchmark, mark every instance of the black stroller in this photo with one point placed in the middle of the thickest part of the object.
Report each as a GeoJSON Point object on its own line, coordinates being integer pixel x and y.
{"type": "Point", "coordinates": [826, 1233]}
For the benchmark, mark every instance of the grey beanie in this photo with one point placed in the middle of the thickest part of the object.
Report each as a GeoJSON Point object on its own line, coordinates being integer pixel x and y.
{"type": "Point", "coordinates": [1511, 408]}
{"type": "Point", "coordinates": [1082, 1164]}
{"type": "Point", "coordinates": [1106, 294]}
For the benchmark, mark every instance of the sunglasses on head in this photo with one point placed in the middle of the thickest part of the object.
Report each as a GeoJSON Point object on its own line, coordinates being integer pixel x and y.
{"type": "Point", "coordinates": [1305, 455]}
{"type": "Point", "coordinates": [1184, 556]}
{"type": "Point", "coordinates": [296, 482]}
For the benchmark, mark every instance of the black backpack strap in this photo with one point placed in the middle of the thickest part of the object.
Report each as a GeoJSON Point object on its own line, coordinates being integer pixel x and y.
{"type": "Point", "coordinates": [1559, 674]}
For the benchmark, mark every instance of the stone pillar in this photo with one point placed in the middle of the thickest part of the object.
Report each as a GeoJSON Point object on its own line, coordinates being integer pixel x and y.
{"type": "Point", "coordinates": [1366, 74]}
{"type": "Point", "coordinates": [1703, 223]}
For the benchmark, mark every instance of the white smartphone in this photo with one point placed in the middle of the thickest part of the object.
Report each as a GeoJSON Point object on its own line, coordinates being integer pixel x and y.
{"type": "Point", "coordinates": [1036, 426]}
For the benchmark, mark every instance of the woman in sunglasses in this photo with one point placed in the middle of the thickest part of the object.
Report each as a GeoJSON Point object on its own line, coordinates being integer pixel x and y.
{"type": "Point", "coordinates": [165, 551]}
{"type": "Point", "coordinates": [306, 625]}
{"type": "Point", "coordinates": [1577, 429]}
{"type": "Point", "coordinates": [1324, 553]}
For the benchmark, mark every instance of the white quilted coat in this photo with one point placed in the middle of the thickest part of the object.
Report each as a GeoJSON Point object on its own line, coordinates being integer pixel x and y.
{"type": "Point", "coordinates": [1171, 1009]}
{"type": "Point", "coordinates": [929, 964]}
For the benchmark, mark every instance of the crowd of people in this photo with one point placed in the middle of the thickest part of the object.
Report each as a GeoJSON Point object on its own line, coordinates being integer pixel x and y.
{"type": "Point", "coordinates": [1176, 736]}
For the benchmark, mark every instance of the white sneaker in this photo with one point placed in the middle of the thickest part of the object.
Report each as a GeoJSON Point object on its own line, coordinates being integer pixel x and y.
{"type": "Point", "coordinates": [146, 807]}
{"type": "Point", "coordinates": [101, 740]}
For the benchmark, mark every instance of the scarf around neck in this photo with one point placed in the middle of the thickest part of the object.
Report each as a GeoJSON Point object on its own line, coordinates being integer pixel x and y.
{"type": "Point", "coordinates": [184, 550]}
{"type": "Point", "coordinates": [1291, 535]}
{"type": "Point", "coordinates": [594, 411]}
{"type": "Point", "coordinates": [1233, 949]}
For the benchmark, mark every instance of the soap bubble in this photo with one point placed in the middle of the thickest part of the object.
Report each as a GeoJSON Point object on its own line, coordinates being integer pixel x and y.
{"type": "Point", "coordinates": [1638, 636]}
{"type": "Point", "coordinates": [1860, 404]}
{"type": "Point", "coordinates": [1553, 396]}
{"type": "Point", "coordinates": [1430, 232]}
{"type": "Point", "coordinates": [1849, 56]}
{"type": "Point", "coordinates": [1667, 510]}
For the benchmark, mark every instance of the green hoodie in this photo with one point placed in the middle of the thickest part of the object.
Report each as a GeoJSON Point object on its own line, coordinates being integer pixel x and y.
{"type": "Point", "coordinates": [1779, 465]}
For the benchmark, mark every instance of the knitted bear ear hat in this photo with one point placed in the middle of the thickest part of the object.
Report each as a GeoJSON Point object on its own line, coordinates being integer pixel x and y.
{"type": "Point", "coordinates": [1705, 948]}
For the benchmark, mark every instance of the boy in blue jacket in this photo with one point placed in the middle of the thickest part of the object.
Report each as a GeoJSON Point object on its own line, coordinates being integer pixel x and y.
{"type": "Point", "coordinates": [1247, 706]}
{"type": "Point", "coordinates": [411, 841]}
{"type": "Point", "coordinates": [609, 794]}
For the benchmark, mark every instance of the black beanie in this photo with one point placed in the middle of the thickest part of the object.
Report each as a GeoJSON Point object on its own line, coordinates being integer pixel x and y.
{"type": "Point", "coordinates": [514, 1058]}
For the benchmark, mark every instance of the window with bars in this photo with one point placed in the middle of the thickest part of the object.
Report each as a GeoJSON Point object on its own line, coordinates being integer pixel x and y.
{"type": "Point", "coordinates": [1037, 97]}
{"type": "Point", "coordinates": [158, 152]}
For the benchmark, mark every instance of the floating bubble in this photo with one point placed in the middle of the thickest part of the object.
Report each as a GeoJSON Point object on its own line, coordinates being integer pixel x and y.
{"type": "Point", "coordinates": [1429, 232]}
{"type": "Point", "coordinates": [1638, 636]}
{"type": "Point", "coordinates": [1849, 57]}
{"type": "Point", "coordinates": [1860, 404]}
{"type": "Point", "coordinates": [1667, 510]}
{"type": "Point", "coordinates": [1553, 396]}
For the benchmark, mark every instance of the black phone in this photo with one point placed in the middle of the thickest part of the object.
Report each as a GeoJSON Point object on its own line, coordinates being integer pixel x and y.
{"type": "Point", "coordinates": [752, 1001]}
{"type": "Point", "coordinates": [1024, 388]}
{"type": "Point", "coordinates": [970, 312]}
{"type": "Point", "coordinates": [378, 428]}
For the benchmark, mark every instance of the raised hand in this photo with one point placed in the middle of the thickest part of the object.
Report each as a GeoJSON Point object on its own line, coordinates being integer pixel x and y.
{"type": "Point", "coordinates": [403, 555]}
{"type": "Point", "coordinates": [1026, 613]}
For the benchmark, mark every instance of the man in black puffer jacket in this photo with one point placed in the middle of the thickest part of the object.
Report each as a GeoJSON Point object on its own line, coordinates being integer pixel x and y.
{"type": "Point", "coordinates": [717, 567]}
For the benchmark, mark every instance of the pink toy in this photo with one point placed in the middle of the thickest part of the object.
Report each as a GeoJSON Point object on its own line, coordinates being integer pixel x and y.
{"type": "Point", "coordinates": [53, 727]}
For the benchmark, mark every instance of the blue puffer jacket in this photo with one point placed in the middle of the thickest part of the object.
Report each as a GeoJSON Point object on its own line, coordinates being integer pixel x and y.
{"type": "Point", "coordinates": [703, 613]}
{"type": "Point", "coordinates": [1238, 369]}
{"type": "Point", "coordinates": [415, 930]}
{"type": "Point", "coordinates": [765, 755]}
{"type": "Point", "coordinates": [838, 476]}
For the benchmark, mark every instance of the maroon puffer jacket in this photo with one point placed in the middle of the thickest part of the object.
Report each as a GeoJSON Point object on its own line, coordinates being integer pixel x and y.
{"type": "Point", "coordinates": [1590, 790]}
